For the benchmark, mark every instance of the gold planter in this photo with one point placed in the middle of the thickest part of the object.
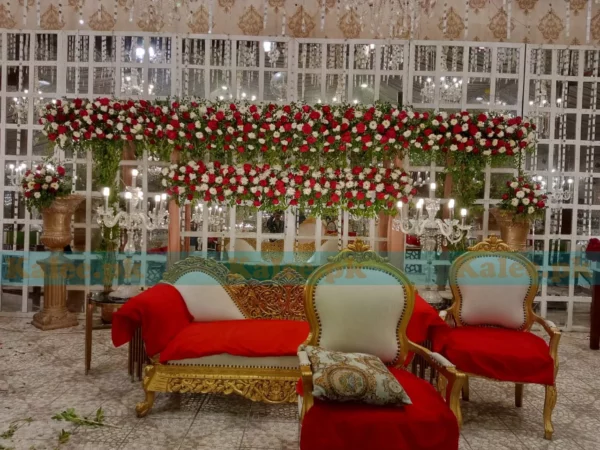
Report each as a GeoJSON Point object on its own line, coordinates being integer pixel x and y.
{"type": "Point", "coordinates": [512, 232]}
{"type": "Point", "coordinates": [56, 236]}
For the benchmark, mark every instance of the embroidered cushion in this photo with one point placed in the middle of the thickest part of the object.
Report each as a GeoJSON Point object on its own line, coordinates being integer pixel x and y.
{"type": "Point", "coordinates": [358, 377]}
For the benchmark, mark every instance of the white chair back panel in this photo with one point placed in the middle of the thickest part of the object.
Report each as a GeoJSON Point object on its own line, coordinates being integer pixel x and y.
{"type": "Point", "coordinates": [360, 315]}
{"type": "Point", "coordinates": [493, 291]}
{"type": "Point", "coordinates": [206, 299]}
{"type": "Point", "coordinates": [307, 230]}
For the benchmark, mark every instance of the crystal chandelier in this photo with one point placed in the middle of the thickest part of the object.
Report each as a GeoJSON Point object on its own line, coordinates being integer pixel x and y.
{"type": "Point", "coordinates": [433, 233]}
{"type": "Point", "coordinates": [561, 194]}
{"type": "Point", "coordinates": [450, 90]}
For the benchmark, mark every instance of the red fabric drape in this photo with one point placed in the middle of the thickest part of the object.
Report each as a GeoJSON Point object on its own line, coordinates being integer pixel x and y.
{"type": "Point", "coordinates": [160, 311]}
{"type": "Point", "coordinates": [427, 424]}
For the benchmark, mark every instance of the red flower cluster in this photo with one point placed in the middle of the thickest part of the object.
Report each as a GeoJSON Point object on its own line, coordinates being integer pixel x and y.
{"type": "Point", "coordinates": [364, 191]}
{"type": "Point", "coordinates": [524, 196]}
{"type": "Point", "coordinates": [280, 133]}
{"type": "Point", "coordinates": [592, 252]}
{"type": "Point", "coordinates": [41, 185]}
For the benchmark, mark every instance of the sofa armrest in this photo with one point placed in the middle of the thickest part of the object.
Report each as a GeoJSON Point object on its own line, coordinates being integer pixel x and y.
{"type": "Point", "coordinates": [554, 334]}
{"type": "Point", "coordinates": [307, 383]}
{"type": "Point", "coordinates": [161, 313]}
{"type": "Point", "coordinates": [451, 384]}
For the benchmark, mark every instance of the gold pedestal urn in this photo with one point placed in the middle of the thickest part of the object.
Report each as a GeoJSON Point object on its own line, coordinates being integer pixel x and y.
{"type": "Point", "coordinates": [512, 232]}
{"type": "Point", "coordinates": [56, 236]}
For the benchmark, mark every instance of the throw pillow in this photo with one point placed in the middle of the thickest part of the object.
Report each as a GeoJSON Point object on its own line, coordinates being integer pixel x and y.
{"type": "Point", "coordinates": [358, 377]}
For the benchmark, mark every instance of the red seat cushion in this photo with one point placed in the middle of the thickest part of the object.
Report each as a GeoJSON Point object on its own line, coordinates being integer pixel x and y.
{"type": "Point", "coordinates": [245, 337]}
{"type": "Point", "coordinates": [497, 353]}
{"type": "Point", "coordinates": [427, 424]}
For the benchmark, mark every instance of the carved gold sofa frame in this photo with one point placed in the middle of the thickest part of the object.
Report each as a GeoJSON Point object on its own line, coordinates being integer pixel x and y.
{"type": "Point", "coordinates": [281, 297]}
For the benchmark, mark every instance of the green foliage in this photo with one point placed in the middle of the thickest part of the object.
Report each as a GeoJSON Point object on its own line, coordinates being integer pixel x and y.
{"type": "Point", "coordinates": [71, 416]}
{"type": "Point", "coordinates": [64, 436]}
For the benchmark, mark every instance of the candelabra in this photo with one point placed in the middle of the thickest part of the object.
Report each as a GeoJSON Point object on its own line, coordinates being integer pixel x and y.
{"type": "Point", "coordinates": [216, 217]}
{"type": "Point", "coordinates": [432, 232]}
{"type": "Point", "coordinates": [134, 220]}
{"type": "Point", "coordinates": [15, 174]}
{"type": "Point", "coordinates": [450, 90]}
{"type": "Point", "coordinates": [561, 195]}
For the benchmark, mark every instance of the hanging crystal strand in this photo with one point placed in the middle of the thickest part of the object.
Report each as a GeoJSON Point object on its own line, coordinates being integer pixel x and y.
{"type": "Point", "coordinates": [186, 74]}
{"type": "Point", "coordinates": [227, 62]}
{"type": "Point", "coordinates": [445, 19]}
{"type": "Point", "coordinates": [323, 6]}
{"type": "Point", "coordinates": [588, 22]}
{"type": "Point", "coordinates": [508, 17]}
{"type": "Point", "coordinates": [131, 8]}
{"type": "Point", "coordinates": [25, 12]}
{"type": "Point", "coordinates": [99, 9]}
{"type": "Point", "coordinates": [178, 67]}
{"type": "Point", "coordinates": [80, 11]}
{"type": "Point", "coordinates": [567, 18]}
{"type": "Point", "coordinates": [265, 5]}
{"type": "Point", "coordinates": [38, 14]}
{"type": "Point", "coordinates": [115, 9]}
{"type": "Point", "coordinates": [211, 6]}
{"type": "Point", "coordinates": [589, 185]}
{"type": "Point", "coordinates": [467, 8]}
{"type": "Point", "coordinates": [283, 20]}
{"type": "Point", "coordinates": [304, 59]}
{"type": "Point", "coordinates": [455, 59]}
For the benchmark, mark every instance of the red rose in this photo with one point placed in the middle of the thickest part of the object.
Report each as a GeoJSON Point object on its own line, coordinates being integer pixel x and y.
{"type": "Point", "coordinates": [306, 128]}
{"type": "Point", "coordinates": [60, 170]}
{"type": "Point", "coordinates": [504, 196]}
{"type": "Point", "coordinates": [360, 127]}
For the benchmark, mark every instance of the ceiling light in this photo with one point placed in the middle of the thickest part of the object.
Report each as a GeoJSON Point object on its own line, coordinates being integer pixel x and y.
{"type": "Point", "coordinates": [372, 46]}
{"type": "Point", "coordinates": [80, 21]}
{"type": "Point", "coordinates": [267, 46]}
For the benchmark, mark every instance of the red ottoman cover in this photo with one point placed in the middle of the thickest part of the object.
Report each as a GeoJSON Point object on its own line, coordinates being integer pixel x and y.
{"type": "Point", "coordinates": [244, 337]}
{"type": "Point", "coordinates": [497, 353]}
{"type": "Point", "coordinates": [427, 424]}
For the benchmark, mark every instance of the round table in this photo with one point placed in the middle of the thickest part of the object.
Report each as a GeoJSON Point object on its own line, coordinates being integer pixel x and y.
{"type": "Point", "coordinates": [137, 353]}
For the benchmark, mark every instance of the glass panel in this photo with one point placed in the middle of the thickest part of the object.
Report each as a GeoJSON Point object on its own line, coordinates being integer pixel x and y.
{"type": "Point", "coordinates": [193, 51]}
{"type": "Point", "coordinates": [589, 159]}
{"type": "Point", "coordinates": [16, 144]}
{"type": "Point", "coordinates": [276, 54]}
{"type": "Point", "coordinates": [17, 79]}
{"type": "Point", "coordinates": [452, 59]}
{"type": "Point", "coordinates": [159, 51]}
{"type": "Point", "coordinates": [507, 91]}
{"type": "Point", "coordinates": [132, 81]}
{"type": "Point", "coordinates": [590, 127]}
{"type": "Point", "coordinates": [364, 56]}
{"type": "Point", "coordinates": [104, 80]}
{"type": "Point", "coordinates": [564, 157]}
{"type": "Point", "coordinates": [425, 56]}
{"type": "Point", "coordinates": [541, 61]}
{"type": "Point", "coordinates": [480, 59]}
{"type": "Point", "coordinates": [78, 48]}
{"type": "Point", "coordinates": [478, 91]}
{"type": "Point", "coordinates": [132, 49]}
{"type": "Point", "coordinates": [507, 60]}
{"type": "Point", "coordinates": [220, 85]}
{"type": "Point", "coordinates": [363, 89]}
{"type": "Point", "coordinates": [248, 54]}
{"type": "Point", "coordinates": [77, 85]}
{"type": "Point", "coordinates": [41, 146]}
{"type": "Point", "coordinates": [45, 79]}
{"type": "Point", "coordinates": [556, 311]}
{"type": "Point", "coordinates": [105, 48]}
{"type": "Point", "coordinates": [159, 82]}
{"type": "Point", "coordinates": [220, 52]}
{"type": "Point", "coordinates": [193, 82]}
{"type": "Point", "coordinates": [18, 46]}
{"type": "Point", "coordinates": [337, 56]}
{"type": "Point", "coordinates": [391, 89]}
{"type": "Point", "coordinates": [275, 88]}
{"type": "Point", "coordinates": [392, 57]}
{"type": "Point", "coordinates": [247, 82]}
{"type": "Point", "coordinates": [336, 88]}
{"type": "Point", "coordinates": [310, 56]}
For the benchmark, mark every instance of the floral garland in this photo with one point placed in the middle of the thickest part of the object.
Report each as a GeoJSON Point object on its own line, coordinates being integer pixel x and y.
{"type": "Point", "coordinates": [329, 135]}
{"type": "Point", "coordinates": [364, 191]}
{"type": "Point", "coordinates": [524, 197]}
{"type": "Point", "coordinates": [42, 184]}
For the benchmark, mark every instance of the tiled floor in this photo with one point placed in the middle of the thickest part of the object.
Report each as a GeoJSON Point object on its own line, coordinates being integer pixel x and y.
{"type": "Point", "coordinates": [41, 373]}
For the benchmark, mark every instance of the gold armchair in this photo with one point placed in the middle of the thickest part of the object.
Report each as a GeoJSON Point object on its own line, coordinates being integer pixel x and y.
{"type": "Point", "coordinates": [494, 289]}
{"type": "Point", "coordinates": [360, 303]}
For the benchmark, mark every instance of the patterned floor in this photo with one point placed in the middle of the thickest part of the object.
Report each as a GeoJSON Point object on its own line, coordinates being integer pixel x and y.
{"type": "Point", "coordinates": [41, 373]}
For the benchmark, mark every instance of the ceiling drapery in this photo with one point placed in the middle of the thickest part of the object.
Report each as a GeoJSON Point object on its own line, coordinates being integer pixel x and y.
{"type": "Point", "coordinates": [532, 21]}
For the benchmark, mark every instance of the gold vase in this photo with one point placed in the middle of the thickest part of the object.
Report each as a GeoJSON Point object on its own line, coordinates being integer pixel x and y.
{"type": "Point", "coordinates": [56, 236]}
{"type": "Point", "coordinates": [512, 232]}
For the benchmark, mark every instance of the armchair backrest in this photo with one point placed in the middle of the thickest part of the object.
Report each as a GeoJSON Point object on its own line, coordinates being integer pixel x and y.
{"type": "Point", "coordinates": [360, 303]}
{"type": "Point", "coordinates": [493, 286]}
{"type": "Point", "coordinates": [212, 292]}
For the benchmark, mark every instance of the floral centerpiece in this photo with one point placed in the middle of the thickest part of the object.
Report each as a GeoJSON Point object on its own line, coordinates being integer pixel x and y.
{"type": "Point", "coordinates": [42, 184]}
{"type": "Point", "coordinates": [364, 191]}
{"type": "Point", "coordinates": [523, 201]}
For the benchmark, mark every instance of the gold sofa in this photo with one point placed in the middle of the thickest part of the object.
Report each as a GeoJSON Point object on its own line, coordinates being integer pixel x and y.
{"type": "Point", "coordinates": [270, 380]}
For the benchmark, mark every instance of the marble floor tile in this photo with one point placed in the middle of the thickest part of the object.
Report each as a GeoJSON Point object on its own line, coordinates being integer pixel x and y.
{"type": "Point", "coordinates": [43, 374]}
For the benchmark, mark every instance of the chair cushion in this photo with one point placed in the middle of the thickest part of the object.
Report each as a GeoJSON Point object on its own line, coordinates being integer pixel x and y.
{"type": "Point", "coordinates": [248, 337]}
{"type": "Point", "coordinates": [497, 353]}
{"type": "Point", "coordinates": [346, 377]}
{"type": "Point", "coordinates": [426, 424]}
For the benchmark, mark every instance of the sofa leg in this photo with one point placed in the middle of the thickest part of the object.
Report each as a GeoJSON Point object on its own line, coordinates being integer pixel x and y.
{"type": "Point", "coordinates": [519, 395]}
{"type": "Point", "coordinates": [549, 404]}
{"type": "Point", "coordinates": [143, 408]}
{"type": "Point", "coordinates": [465, 390]}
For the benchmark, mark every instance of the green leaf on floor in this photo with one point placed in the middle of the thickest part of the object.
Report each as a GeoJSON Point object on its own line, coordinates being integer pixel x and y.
{"type": "Point", "coordinates": [71, 416]}
{"type": "Point", "coordinates": [64, 436]}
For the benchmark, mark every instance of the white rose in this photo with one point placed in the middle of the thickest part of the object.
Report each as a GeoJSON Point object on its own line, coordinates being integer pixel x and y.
{"type": "Point", "coordinates": [530, 210]}
{"type": "Point", "coordinates": [48, 179]}
{"type": "Point", "coordinates": [514, 185]}
{"type": "Point", "coordinates": [37, 195]}
{"type": "Point", "coordinates": [520, 194]}
{"type": "Point", "coordinates": [514, 202]}
{"type": "Point", "coordinates": [525, 201]}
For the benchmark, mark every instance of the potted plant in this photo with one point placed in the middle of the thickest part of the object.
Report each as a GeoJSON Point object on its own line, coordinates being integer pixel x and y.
{"type": "Point", "coordinates": [47, 188]}
{"type": "Point", "coordinates": [523, 200]}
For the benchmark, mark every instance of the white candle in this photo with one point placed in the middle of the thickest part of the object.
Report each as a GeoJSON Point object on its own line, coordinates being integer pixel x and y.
{"type": "Point", "coordinates": [163, 201]}
{"type": "Point", "coordinates": [157, 202]}
{"type": "Point", "coordinates": [451, 207]}
{"type": "Point", "coordinates": [106, 194]}
{"type": "Point", "coordinates": [463, 215]}
{"type": "Point", "coordinates": [432, 188]}
{"type": "Point", "coordinates": [134, 174]}
{"type": "Point", "coordinates": [400, 205]}
{"type": "Point", "coordinates": [128, 198]}
{"type": "Point", "coordinates": [420, 207]}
